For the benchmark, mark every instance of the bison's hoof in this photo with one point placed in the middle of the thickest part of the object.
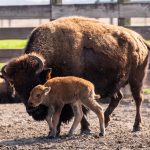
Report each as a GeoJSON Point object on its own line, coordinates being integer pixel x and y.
{"type": "Point", "coordinates": [137, 128]}
{"type": "Point", "coordinates": [101, 134]}
{"type": "Point", "coordinates": [69, 135]}
{"type": "Point", "coordinates": [107, 120]}
{"type": "Point", "coordinates": [51, 137]}
{"type": "Point", "coordinates": [106, 125]}
{"type": "Point", "coordinates": [85, 131]}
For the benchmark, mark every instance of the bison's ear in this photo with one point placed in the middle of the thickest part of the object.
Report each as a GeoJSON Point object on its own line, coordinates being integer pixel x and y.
{"type": "Point", "coordinates": [45, 75]}
{"type": "Point", "coordinates": [1, 74]}
{"type": "Point", "coordinates": [4, 73]}
{"type": "Point", "coordinates": [47, 90]}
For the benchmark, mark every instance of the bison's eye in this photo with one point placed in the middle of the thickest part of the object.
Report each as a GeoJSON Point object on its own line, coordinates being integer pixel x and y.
{"type": "Point", "coordinates": [11, 82]}
{"type": "Point", "coordinates": [38, 95]}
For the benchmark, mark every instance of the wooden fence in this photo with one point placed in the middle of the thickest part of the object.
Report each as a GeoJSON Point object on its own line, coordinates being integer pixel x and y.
{"type": "Point", "coordinates": [102, 10]}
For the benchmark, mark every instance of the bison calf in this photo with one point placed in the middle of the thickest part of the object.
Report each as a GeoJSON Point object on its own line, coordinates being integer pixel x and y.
{"type": "Point", "coordinates": [57, 92]}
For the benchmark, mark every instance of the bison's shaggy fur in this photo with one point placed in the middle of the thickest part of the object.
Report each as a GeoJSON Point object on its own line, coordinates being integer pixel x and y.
{"type": "Point", "coordinates": [108, 55]}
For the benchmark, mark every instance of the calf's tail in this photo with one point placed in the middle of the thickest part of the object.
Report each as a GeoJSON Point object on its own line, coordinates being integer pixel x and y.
{"type": "Point", "coordinates": [148, 45]}
{"type": "Point", "coordinates": [97, 97]}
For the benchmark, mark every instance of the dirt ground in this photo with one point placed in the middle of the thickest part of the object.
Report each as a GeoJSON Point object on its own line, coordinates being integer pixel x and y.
{"type": "Point", "coordinates": [19, 131]}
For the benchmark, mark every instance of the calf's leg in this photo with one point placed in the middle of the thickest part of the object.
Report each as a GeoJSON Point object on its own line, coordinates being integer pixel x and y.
{"type": "Point", "coordinates": [49, 119]}
{"type": "Point", "coordinates": [55, 121]}
{"type": "Point", "coordinates": [97, 109]}
{"type": "Point", "coordinates": [78, 114]}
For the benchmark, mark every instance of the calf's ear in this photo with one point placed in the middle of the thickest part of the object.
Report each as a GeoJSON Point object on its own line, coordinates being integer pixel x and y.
{"type": "Point", "coordinates": [47, 90]}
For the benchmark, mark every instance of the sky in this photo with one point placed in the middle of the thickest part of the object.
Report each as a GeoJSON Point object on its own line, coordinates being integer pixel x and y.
{"type": "Point", "coordinates": [30, 2]}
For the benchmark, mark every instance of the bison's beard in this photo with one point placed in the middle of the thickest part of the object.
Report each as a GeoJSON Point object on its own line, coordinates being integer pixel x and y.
{"type": "Point", "coordinates": [39, 113]}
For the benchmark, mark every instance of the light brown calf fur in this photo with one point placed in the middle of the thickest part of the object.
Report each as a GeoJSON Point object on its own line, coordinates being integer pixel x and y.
{"type": "Point", "coordinates": [57, 92]}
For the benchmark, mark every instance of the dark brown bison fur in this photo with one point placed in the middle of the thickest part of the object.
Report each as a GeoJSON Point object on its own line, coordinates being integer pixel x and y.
{"type": "Point", "coordinates": [107, 55]}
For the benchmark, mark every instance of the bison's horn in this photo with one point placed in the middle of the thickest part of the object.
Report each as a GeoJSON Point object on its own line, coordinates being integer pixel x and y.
{"type": "Point", "coordinates": [4, 73]}
{"type": "Point", "coordinates": [41, 64]}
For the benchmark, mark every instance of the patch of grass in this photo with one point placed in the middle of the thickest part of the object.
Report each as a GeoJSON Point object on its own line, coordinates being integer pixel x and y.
{"type": "Point", "coordinates": [1, 65]}
{"type": "Point", "coordinates": [147, 91]}
{"type": "Point", "coordinates": [148, 41]}
{"type": "Point", "coordinates": [12, 44]}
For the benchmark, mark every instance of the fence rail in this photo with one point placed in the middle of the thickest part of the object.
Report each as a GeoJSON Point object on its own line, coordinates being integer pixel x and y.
{"type": "Point", "coordinates": [102, 10]}
{"type": "Point", "coordinates": [23, 33]}
{"type": "Point", "coordinates": [15, 33]}
{"type": "Point", "coordinates": [6, 54]}
{"type": "Point", "coordinates": [25, 12]}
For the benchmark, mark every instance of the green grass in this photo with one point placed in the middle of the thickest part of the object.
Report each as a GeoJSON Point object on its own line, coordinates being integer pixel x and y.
{"type": "Point", "coordinates": [148, 41]}
{"type": "Point", "coordinates": [147, 91]}
{"type": "Point", "coordinates": [17, 44]}
{"type": "Point", "coordinates": [12, 44]}
{"type": "Point", "coordinates": [1, 65]}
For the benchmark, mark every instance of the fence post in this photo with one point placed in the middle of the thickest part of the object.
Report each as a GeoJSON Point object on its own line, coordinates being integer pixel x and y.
{"type": "Point", "coordinates": [111, 19]}
{"type": "Point", "coordinates": [98, 2]}
{"type": "Point", "coordinates": [9, 22]}
{"type": "Point", "coordinates": [56, 2]}
{"type": "Point", "coordinates": [124, 21]}
{"type": "Point", "coordinates": [1, 23]}
{"type": "Point", "coordinates": [53, 2]}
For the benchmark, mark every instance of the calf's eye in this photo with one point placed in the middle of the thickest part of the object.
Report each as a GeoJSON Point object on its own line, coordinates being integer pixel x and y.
{"type": "Point", "coordinates": [38, 95]}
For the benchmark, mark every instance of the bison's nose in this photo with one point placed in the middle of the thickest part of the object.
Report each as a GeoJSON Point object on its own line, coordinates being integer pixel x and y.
{"type": "Point", "coordinates": [30, 103]}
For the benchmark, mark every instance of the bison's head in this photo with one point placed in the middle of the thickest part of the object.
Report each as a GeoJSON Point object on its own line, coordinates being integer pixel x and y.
{"type": "Point", "coordinates": [24, 73]}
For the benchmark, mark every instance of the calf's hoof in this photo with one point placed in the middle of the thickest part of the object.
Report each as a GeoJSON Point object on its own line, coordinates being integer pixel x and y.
{"type": "Point", "coordinates": [101, 134]}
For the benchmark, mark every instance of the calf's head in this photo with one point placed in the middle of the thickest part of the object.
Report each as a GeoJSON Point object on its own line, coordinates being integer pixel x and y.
{"type": "Point", "coordinates": [37, 95]}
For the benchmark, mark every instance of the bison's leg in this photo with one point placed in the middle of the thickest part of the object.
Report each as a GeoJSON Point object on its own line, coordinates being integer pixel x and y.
{"type": "Point", "coordinates": [113, 104]}
{"type": "Point", "coordinates": [58, 128]}
{"type": "Point", "coordinates": [85, 125]}
{"type": "Point", "coordinates": [137, 93]}
{"type": "Point", "coordinates": [136, 84]}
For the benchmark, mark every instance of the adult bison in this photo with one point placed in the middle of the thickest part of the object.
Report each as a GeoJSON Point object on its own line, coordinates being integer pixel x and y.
{"type": "Point", "coordinates": [107, 55]}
